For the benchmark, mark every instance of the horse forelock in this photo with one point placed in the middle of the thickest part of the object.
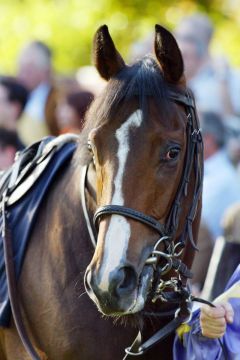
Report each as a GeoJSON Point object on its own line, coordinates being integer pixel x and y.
{"type": "Point", "coordinates": [138, 82]}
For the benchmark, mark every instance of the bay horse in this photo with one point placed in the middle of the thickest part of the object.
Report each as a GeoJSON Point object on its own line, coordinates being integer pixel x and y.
{"type": "Point", "coordinates": [139, 153]}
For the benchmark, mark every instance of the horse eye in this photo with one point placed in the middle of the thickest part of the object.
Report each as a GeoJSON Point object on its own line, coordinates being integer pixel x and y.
{"type": "Point", "coordinates": [172, 153]}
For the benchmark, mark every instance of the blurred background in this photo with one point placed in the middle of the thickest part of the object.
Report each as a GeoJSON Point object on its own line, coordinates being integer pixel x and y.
{"type": "Point", "coordinates": [67, 26]}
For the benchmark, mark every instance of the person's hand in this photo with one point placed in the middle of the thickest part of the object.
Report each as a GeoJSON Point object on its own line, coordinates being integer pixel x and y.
{"type": "Point", "coordinates": [213, 321]}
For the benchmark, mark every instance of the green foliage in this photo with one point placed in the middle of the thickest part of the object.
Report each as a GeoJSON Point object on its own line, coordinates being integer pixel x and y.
{"type": "Point", "coordinates": [68, 26]}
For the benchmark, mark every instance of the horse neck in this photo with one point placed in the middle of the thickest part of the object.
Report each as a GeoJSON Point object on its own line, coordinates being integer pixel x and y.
{"type": "Point", "coordinates": [74, 211]}
{"type": "Point", "coordinates": [65, 234]}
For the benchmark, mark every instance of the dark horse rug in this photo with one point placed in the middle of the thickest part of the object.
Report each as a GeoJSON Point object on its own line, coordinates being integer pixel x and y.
{"type": "Point", "coordinates": [28, 180]}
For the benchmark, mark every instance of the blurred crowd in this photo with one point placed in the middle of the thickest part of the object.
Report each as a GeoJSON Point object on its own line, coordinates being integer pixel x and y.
{"type": "Point", "coordinates": [36, 103]}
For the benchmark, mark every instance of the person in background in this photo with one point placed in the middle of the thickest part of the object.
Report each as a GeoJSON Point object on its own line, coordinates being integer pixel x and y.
{"type": "Point", "coordinates": [221, 187]}
{"type": "Point", "coordinates": [201, 259]}
{"type": "Point", "coordinates": [71, 111]}
{"type": "Point", "coordinates": [89, 79]}
{"type": "Point", "coordinates": [13, 98]}
{"type": "Point", "coordinates": [34, 70]}
{"type": "Point", "coordinates": [9, 145]}
{"type": "Point", "coordinates": [209, 78]}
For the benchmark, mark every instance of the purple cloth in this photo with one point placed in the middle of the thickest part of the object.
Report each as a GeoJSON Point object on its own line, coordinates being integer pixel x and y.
{"type": "Point", "coordinates": [194, 346]}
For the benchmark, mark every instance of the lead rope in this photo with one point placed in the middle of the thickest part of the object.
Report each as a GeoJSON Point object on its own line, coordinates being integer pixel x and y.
{"type": "Point", "coordinates": [12, 284]}
{"type": "Point", "coordinates": [138, 348]}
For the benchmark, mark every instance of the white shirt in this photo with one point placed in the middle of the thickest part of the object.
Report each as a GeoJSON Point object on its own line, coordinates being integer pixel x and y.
{"type": "Point", "coordinates": [35, 108]}
{"type": "Point", "coordinates": [207, 92]}
{"type": "Point", "coordinates": [221, 188]}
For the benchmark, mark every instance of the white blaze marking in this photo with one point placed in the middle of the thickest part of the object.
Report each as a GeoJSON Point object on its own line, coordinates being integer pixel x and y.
{"type": "Point", "coordinates": [118, 233]}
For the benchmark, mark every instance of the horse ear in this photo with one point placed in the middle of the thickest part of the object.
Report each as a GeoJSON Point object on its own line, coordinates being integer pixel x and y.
{"type": "Point", "coordinates": [106, 58]}
{"type": "Point", "coordinates": [168, 55]}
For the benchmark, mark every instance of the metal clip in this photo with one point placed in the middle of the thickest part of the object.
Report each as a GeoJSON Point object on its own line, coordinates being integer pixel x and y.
{"type": "Point", "coordinates": [153, 259]}
{"type": "Point", "coordinates": [129, 352]}
{"type": "Point", "coordinates": [176, 254]}
{"type": "Point", "coordinates": [197, 135]}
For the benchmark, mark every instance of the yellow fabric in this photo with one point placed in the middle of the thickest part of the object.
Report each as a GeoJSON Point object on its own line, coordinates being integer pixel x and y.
{"type": "Point", "coordinates": [183, 329]}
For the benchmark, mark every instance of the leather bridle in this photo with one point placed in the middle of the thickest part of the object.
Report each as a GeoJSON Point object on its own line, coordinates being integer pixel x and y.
{"type": "Point", "coordinates": [180, 293]}
{"type": "Point", "coordinates": [193, 162]}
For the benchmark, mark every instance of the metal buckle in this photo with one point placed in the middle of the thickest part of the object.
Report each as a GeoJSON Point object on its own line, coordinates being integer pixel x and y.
{"type": "Point", "coordinates": [152, 260]}
{"type": "Point", "coordinates": [156, 255]}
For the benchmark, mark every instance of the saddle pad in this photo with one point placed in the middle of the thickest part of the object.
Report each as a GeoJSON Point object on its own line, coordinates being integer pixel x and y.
{"type": "Point", "coordinates": [21, 217]}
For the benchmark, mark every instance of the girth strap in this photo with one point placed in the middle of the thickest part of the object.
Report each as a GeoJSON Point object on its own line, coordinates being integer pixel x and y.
{"type": "Point", "coordinates": [128, 212]}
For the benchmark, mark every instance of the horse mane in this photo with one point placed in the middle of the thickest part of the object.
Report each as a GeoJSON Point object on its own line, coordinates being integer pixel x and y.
{"type": "Point", "coordinates": [139, 81]}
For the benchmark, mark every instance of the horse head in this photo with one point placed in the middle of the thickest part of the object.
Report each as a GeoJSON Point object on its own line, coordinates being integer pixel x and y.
{"type": "Point", "coordinates": [140, 146]}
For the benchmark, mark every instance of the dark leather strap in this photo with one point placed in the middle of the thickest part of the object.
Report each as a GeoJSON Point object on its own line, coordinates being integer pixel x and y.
{"type": "Point", "coordinates": [133, 214]}
{"type": "Point", "coordinates": [183, 99]}
{"type": "Point", "coordinates": [12, 286]}
{"type": "Point", "coordinates": [138, 348]}
{"type": "Point", "coordinates": [161, 334]}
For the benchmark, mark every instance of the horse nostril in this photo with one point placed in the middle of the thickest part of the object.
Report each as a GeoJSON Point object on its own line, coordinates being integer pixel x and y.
{"type": "Point", "coordinates": [124, 280]}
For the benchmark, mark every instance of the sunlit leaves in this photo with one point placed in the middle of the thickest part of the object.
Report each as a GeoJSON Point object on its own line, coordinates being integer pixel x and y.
{"type": "Point", "coordinates": [68, 26]}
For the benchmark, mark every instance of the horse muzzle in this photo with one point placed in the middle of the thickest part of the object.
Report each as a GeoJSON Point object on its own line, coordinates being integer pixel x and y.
{"type": "Point", "coordinates": [124, 293]}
